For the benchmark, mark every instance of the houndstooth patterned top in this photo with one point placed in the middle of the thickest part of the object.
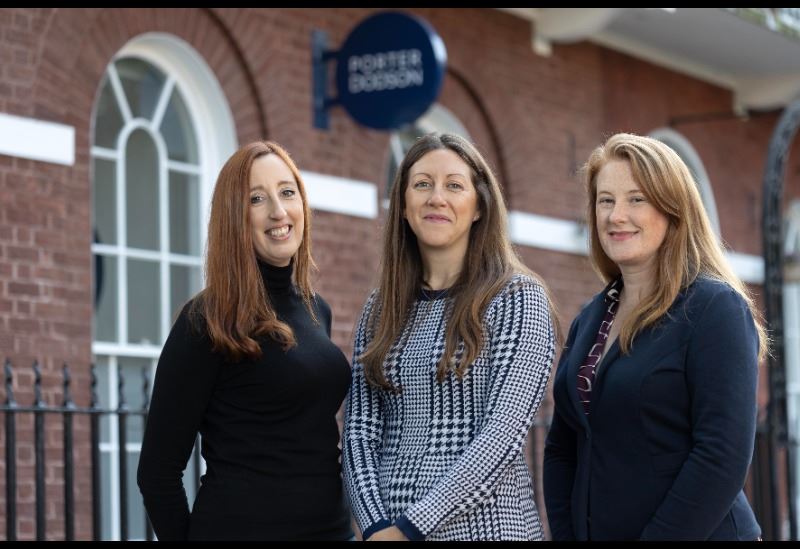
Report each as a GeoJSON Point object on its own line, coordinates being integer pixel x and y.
{"type": "Point", "coordinates": [446, 461]}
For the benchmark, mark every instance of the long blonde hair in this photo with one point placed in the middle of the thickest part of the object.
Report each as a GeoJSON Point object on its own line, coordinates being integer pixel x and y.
{"type": "Point", "coordinates": [690, 248]}
{"type": "Point", "coordinates": [489, 263]}
{"type": "Point", "coordinates": [234, 305]}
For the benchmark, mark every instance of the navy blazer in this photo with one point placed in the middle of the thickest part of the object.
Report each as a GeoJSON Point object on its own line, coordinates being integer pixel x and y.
{"type": "Point", "coordinates": [665, 450]}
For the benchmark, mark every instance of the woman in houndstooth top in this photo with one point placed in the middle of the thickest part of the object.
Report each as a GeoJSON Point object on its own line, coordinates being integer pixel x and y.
{"type": "Point", "coordinates": [451, 358]}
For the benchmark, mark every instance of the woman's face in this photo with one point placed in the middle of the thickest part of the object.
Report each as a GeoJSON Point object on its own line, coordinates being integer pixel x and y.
{"type": "Point", "coordinates": [631, 230]}
{"type": "Point", "coordinates": [276, 210]}
{"type": "Point", "coordinates": [441, 201]}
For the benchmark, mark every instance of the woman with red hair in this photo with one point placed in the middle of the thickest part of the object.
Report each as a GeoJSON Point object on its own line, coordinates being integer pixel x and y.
{"type": "Point", "coordinates": [249, 364]}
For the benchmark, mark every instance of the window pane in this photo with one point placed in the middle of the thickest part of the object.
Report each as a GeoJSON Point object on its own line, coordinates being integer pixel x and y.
{"type": "Point", "coordinates": [104, 201]}
{"type": "Point", "coordinates": [141, 191]}
{"type": "Point", "coordinates": [131, 371]}
{"type": "Point", "coordinates": [136, 524]}
{"type": "Point", "coordinates": [178, 131]}
{"type": "Point", "coordinates": [106, 482]}
{"type": "Point", "coordinates": [108, 119]}
{"type": "Point", "coordinates": [144, 296]}
{"type": "Point", "coordinates": [184, 213]}
{"type": "Point", "coordinates": [105, 291]}
{"type": "Point", "coordinates": [103, 395]}
{"type": "Point", "coordinates": [185, 282]}
{"type": "Point", "coordinates": [142, 83]}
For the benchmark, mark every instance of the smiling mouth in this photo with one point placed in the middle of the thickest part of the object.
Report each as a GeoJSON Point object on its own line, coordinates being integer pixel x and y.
{"type": "Point", "coordinates": [279, 232]}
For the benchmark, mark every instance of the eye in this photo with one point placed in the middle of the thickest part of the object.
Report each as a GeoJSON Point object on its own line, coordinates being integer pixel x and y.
{"type": "Point", "coordinates": [422, 184]}
{"type": "Point", "coordinates": [256, 198]}
{"type": "Point", "coordinates": [604, 201]}
{"type": "Point", "coordinates": [288, 193]}
{"type": "Point", "coordinates": [455, 185]}
{"type": "Point", "coordinates": [638, 199]}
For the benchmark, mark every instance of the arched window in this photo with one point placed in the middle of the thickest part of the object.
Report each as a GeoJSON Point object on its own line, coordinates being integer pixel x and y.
{"type": "Point", "coordinates": [689, 155]}
{"type": "Point", "coordinates": [437, 119]}
{"type": "Point", "coordinates": [154, 156]}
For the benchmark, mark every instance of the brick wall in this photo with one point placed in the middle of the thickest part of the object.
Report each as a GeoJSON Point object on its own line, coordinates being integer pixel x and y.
{"type": "Point", "coordinates": [536, 119]}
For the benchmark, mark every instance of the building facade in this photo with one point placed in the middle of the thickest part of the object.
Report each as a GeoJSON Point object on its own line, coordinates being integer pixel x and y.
{"type": "Point", "coordinates": [115, 122]}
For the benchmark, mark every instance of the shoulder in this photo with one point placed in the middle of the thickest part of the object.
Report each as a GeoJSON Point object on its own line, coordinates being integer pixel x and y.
{"type": "Point", "coordinates": [372, 301]}
{"type": "Point", "coordinates": [520, 282]}
{"type": "Point", "coordinates": [521, 289]}
{"type": "Point", "coordinates": [705, 293]}
{"type": "Point", "coordinates": [192, 313]}
{"type": "Point", "coordinates": [588, 308]}
{"type": "Point", "coordinates": [371, 304]}
{"type": "Point", "coordinates": [322, 306]}
{"type": "Point", "coordinates": [590, 304]}
{"type": "Point", "coordinates": [189, 326]}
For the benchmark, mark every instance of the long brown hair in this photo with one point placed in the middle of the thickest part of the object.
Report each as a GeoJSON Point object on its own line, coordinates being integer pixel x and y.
{"type": "Point", "coordinates": [690, 248]}
{"type": "Point", "coordinates": [234, 305]}
{"type": "Point", "coordinates": [489, 263]}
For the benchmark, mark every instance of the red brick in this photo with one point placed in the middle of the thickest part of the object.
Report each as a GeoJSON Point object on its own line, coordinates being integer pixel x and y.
{"type": "Point", "coordinates": [19, 289]}
{"type": "Point", "coordinates": [535, 118]}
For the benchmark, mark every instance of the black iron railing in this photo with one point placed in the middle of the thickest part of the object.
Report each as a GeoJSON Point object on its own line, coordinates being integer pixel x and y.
{"type": "Point", "coordinates": [68, 410]}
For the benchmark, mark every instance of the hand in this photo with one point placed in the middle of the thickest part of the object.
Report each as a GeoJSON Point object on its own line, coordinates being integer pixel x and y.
{"type": "Point", "coordinates": [392, 533]}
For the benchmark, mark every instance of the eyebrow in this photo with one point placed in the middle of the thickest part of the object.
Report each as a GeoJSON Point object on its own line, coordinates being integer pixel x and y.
{"type": "Point", "coordinates": [282, 182]}
{"type": "Point", "coordinates": [628, 192]}
{"type": "Point", "coordinates": [429, 175]}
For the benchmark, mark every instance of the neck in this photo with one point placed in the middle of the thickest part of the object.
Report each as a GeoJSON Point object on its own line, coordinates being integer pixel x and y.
{"type": "Point", "coordinates": [638, 283]}
{"type": "Point", "coordinates": [441, 268]}
{"type": "Point", "coordinates": [277, 279]}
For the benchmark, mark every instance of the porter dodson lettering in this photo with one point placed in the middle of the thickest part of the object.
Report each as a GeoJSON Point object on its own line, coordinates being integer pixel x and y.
{"type": "Point", "coordinates": [384, 71]}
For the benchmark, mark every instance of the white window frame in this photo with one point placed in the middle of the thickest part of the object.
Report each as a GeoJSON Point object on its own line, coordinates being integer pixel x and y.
{"type": "Point", "coordinates": [214, 128]}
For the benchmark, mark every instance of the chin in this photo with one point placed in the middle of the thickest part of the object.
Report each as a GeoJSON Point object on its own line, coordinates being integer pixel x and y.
{"type": "Point", "coordinates": [434, 243]}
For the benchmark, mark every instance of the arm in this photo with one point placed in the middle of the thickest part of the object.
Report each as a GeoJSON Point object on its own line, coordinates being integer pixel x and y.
{"type": "Point", "coordinates": [560, 454]}
{"type": "Point", "coordinates": [559, 477]}
{"type": "Point", "coordinates": [183, 386]}
{"type": "Point", "coordinates": [722, 377]}
{"type": "Point", "coordinates": [362, 440]}
{"type": "Point", "coordinates": [520, 338]}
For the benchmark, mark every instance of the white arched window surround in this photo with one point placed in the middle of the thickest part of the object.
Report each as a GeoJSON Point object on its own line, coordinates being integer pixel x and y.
{"type": "Point", "coordinates": [214, 124]}
{"type": "Point", "coordinates": [689, 155]}
{"type": "Point", "coordinates": [212, 120]}
{"type": "Point", "coordinates": [214, 130]}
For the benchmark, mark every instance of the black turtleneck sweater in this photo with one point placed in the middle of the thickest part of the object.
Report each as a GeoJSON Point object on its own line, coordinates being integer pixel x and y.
{"type": "Point", "coordinates": [268, 430]}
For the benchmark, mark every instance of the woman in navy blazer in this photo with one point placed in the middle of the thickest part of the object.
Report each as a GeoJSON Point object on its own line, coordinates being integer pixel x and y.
{"type": "Point", "coordinates": [655, 393]}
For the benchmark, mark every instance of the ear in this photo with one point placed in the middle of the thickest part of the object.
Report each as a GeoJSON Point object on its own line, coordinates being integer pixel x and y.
{"type": "Point", "coordinates": [477, 216]}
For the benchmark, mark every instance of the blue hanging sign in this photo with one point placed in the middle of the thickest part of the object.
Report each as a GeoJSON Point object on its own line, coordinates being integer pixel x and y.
{"type": "Point", "coordinates": [389, 71]}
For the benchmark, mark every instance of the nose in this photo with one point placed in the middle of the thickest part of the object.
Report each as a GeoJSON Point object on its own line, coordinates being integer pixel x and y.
{"type": "Point", "coordinates": [619, 212]}
{"type": "Point", "coordinates": [436, 198]}
{"type": "Point", "coordinates": [276, 209]}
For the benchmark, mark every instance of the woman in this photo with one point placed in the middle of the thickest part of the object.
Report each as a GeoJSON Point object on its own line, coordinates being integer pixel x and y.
{"type": "Point", "coordinates": [451, 358]}
{"type": "Point", "coordinates": [250, 366]}
{"type": "Point", "coordinates": [655, 393]}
